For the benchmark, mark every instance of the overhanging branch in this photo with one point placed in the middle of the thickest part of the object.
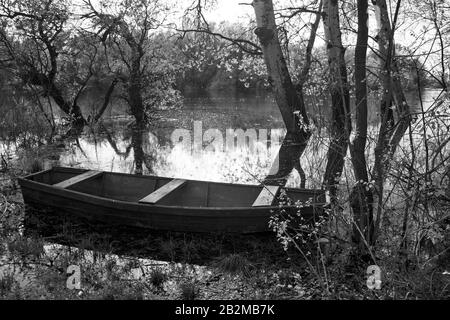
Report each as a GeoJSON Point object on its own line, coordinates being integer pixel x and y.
{"type": "Point", "coordinates": [245, 45]}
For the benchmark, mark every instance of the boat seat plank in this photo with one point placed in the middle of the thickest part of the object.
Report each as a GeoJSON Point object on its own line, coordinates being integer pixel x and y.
{"type": "Point", "coordinates": [266, 196]}
{"type": "Point", "coordinates": [81, 177]}
{"type": "Point", "coordinates": [160, 193]}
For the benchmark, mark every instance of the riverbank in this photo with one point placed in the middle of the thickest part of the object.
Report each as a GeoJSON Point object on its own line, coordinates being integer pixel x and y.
{"type": "Point", "coordinates": [119, 263]}
{"type": "Point", "coordinates": [34, 262]}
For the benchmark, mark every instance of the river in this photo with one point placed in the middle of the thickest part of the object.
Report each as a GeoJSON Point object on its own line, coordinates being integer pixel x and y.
{"type": "Point", "coordinates": [204, 127]}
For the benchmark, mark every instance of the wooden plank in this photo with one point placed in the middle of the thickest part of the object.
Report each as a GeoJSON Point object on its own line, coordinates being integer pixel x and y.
{"type": "Point", "coordinates": [81, 177]}
{"type": "Point", "coordinates": [160, 193]}
{"type": "Point", "coordinates": [266, 196]}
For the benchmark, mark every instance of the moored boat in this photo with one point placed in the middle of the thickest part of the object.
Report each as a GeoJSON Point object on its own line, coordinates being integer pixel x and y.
{"type": "Point", "coordinates": [162, 203]}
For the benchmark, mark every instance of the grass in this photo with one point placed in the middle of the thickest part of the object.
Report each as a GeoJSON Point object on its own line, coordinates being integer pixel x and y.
{"type": "Point", "coordinates": [35, 166]}
{"type": "Point", "coordinates": [157, 278]}
{"type": "Point", "coordinates": [7, 282]}
{"type": "Point", "coordinates": [26, 247]}
{"type": "Point", "coordinates": [234, 264]}
{"type": "Point", "coordinates": [189, 290]}
{"type": "Point", "coordinates": [121, 291]}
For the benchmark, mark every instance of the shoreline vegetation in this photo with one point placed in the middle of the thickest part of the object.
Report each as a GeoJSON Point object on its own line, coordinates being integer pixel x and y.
{"type": "Point", "coordinates": [128, 263]}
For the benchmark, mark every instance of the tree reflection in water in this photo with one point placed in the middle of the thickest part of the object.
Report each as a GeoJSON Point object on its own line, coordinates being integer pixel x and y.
{"type": "Point", "coordinates": [130, 148]}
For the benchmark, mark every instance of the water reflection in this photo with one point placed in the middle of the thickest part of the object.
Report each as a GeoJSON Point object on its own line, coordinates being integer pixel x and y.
{"type": "Point", "coordinates": [131, 149]}
{"type": "Point", "coordinates": [118, 145]}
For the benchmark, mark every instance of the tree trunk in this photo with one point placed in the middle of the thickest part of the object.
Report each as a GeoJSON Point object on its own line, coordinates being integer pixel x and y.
{"type": "Point", "coordinates": [393, 125]}
{"type": "Point", "coordinates": [138, 151]}
{"type": "Point", "coordinates": [290, 103]}
{"type": "Point", "coordinates": [106, 100]}
{"type": "Point", "coordinates": [287, 159]}
{"type": "Point", "coordinates": [135, 90]}
{"type": "Point", "coordinates": [33, 77]}
{"type": "Point", "coordinates": [361, 198]}
{"type": "Point", "coordinates": [340, 99]}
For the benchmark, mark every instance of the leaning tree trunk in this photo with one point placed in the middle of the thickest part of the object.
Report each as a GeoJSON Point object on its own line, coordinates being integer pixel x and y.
{"type": "Point", "coordinates": [47, 82]}
{"type": "Point", "coordinates": [393, 125]}
{"type": "Point", "coordinates": [340, 99]}
{"type": "Point", "coordinates": [361, 197]}
{"type": "Point", "coordinates": [290, 103]}
{"type": "Point", "coordinates": [72, 110]}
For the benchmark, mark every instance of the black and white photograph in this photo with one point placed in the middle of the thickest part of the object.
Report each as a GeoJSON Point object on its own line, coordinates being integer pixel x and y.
{"type": "Point", "coordinates": [226, 156]}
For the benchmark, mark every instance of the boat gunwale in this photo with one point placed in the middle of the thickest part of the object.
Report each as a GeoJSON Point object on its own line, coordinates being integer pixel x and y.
{"type": "Point", "coordinates": [304, 190]}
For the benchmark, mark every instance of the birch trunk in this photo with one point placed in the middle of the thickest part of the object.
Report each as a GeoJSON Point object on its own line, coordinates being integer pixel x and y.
{"type": "Point", "coordinates": [290, 103]}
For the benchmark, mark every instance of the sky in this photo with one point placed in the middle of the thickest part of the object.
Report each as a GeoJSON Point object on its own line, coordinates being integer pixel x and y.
{"type": "Point", "coordinates": [230, 10]}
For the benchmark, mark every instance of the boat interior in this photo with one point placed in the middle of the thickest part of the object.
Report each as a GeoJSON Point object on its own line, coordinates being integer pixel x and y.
{"type": "Point", "coordinates": [168, 191]}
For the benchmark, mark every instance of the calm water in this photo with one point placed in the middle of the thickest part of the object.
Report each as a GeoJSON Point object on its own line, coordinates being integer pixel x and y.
{"type": "Point", "coordinates": [206, 122]}
{"type": "Point", "coordinates": [206, 153]}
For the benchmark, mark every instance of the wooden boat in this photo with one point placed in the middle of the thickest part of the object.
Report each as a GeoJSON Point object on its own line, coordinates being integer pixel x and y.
{"type": "Point", "coordinates": [162, 203]}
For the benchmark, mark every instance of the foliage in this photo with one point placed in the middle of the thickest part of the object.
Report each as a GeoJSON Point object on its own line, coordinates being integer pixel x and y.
{"type": "Point", "coordinates": [212, 63]}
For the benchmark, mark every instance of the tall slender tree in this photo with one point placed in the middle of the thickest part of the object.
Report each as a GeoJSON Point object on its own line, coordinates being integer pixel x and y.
{"type": "Point", "coordinates": [361, 197]}
{"type": "Point", "coordinates": [340, 97]}
{"type": "Point", "coordinates": [393, 123]}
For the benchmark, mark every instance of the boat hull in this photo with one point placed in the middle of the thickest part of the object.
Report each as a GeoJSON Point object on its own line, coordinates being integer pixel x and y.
{"type": "Point", "coordinates": [156, 217]}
